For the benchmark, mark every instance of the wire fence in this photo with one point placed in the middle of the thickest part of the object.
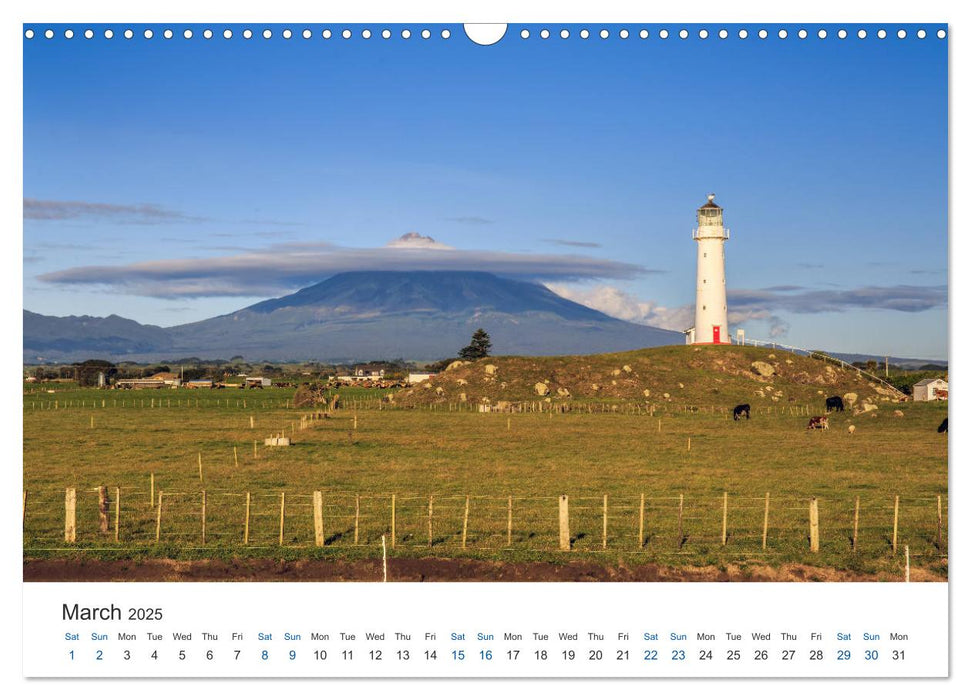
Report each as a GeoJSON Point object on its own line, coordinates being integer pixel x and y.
{"type": "Point", "coordinates": [627, 408]}
{"type": "Point", "coordinates": [825, 357]}
{"type": "Point", "coordinates": [868, 525]}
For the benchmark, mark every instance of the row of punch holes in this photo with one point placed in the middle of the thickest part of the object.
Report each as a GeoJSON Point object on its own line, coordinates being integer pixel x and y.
{"type": "Point", "coordinates": [447, 33]}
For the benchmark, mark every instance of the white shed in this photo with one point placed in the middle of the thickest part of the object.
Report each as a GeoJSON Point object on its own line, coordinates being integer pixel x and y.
{"type": "Point", "coordinates": [930, 390]}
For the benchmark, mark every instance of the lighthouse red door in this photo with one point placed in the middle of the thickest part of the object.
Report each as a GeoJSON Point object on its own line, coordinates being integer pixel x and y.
{"type": "Point", "coordinates": [716, 335]}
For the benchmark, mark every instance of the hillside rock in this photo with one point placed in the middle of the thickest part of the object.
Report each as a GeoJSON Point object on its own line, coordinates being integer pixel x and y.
{"type": "Point", "coordinates": [541, 389]}
{"type": "Point", "coordinates": [456, 365]}
{"type": "Point", "coordinates": [763, 369]}
{"type": "Point", "coordinates": [850, 398]}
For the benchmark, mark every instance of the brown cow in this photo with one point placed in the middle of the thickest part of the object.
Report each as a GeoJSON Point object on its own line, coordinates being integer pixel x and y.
{"type": "Point", "coordinates": [818, 423]}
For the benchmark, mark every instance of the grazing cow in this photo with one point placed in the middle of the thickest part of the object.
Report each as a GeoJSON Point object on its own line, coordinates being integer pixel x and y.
{"type": "Point", "coordinates": [942, 428]}
{"type": "Point", "coordinates": [818, 423]}
{"type": "Point", "coordinates": [834, 403]}
{"type": "Point", "coordinates": [743, 409]}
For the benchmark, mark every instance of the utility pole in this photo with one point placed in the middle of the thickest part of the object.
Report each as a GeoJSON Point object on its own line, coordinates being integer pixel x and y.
{"type": "Point", "coordinates": [886, 366]}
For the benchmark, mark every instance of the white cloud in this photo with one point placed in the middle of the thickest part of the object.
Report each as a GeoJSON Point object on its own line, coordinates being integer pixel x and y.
{"type": "Point", "coordinates": [619, 304]}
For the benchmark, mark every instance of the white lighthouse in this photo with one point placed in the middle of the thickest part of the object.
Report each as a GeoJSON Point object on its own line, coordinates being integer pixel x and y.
{"type": "Point", "coordinates": [711, 306]}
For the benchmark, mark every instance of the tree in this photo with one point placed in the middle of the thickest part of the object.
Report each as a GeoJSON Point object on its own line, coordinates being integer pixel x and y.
{"type": "Point", "coordinates": [86, 373]}
{"type": "Point", "coordinates": [478, 348]}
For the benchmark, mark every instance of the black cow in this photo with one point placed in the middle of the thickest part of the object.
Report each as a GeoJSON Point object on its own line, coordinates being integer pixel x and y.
{"type": "Point", "coordinates": [743, 409]}
{"type": "Point", "coordinates": [834, 403]}
{"type": "Point", "coordinates": [942, 428]}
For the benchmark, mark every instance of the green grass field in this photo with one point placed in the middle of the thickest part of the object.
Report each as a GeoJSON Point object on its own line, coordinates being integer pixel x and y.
{"type": "Point", "coordinates": [412, 455]}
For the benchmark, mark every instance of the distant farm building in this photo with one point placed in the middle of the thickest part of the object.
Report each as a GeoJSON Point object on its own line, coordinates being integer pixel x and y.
{"type": "Point", "coordinates": [419, 377]}
{"type": "Point", "coordinates": [930, 390]}
{"type": "Point", "coordinates": [257, 382]}
{"type": "Point", "coordinates": [160, 380]}
{"type": "Point", "coordinates": [199, 384]}
{"type": "Point", "coordinates": [369, 372]}
{"type": "Point", "coordinates": [141, 384]}
{"type": "Point", "coordinates": [362, 373]}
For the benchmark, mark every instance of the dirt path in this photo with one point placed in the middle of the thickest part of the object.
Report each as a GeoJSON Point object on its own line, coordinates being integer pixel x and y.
{"type": "Point", "coordinates": [428, 569]}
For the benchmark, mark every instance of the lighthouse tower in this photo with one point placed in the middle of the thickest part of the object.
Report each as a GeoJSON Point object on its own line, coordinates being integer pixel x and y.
{"type": "Point", "coordinates": [711, 307]}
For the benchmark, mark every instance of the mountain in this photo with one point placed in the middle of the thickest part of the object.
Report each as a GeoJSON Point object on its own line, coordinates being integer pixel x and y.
{"type": "Point", "coordinates": [359, 316]}
{"type": "Point", "coordinates": [76, 336]}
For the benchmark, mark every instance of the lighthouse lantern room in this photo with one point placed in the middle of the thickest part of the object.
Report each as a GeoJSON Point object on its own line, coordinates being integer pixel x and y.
{"type": "Point", "coordinates": [711, 306]}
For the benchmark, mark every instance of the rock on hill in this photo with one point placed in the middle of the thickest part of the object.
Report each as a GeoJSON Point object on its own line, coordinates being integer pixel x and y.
{"type": "Point", "coordinates": [693, 375]}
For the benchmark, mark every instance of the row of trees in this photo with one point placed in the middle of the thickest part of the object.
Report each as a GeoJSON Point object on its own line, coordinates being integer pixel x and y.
{"type": "Point", "coordinates": [86, 373]}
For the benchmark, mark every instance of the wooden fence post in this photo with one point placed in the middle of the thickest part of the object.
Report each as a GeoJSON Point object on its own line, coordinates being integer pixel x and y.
{"type": "Point", "coordinates": [23, 512]}
{"type": "Point", "coordinates": [765, 521]}
{"type": "Point", "coordinates": [235, 457]}
{"type": "Point", "coordinates": [725, 519]}
{"type": "Point", "coordinates": [283, 506]}
{"type": "Point", "coordinates": [158, 518]}
{"type": "Point", "coordinates": [70, 515]}
{"type": "Point", "coordinates": [509, 523]}
{"type": "Point", "coordinates": [117, 510]}
{"type": "Point", "coordinates": [203, 516]}
{"type": "Point", "coordinates": [318, 519]}
{"type": "Point", "coordinates": [200, 466]}
{"type": "Point", "coordinates": [564, 523]}
{"type": "Point", "coordinates": [605, 523]}
{"type": "Point", "coordinates": [246, 522]}
{"type": "Point", "coordinates": [814, 525]}
{"type": "Point", "coordinates": [680, 520]}
{"type": "Point", "coordinates": [384, 558]}
{"type": "Point", "coordinates": [940, 524]}
{"type": "Point", "coordinates": [431, 502]}
{"type": "Point", "coordinates": [896, 513]}
{"type": "Point", "coordinates": [152, 489]}
{"type": "Point", "coordinates": [357, 516]}
{"type": "Point", "coordinates": [103, 510]}
{"type": "Point", "coordinates": [640, 526]}
{"type": "Point", "coordinates": [907, 563]}
{"type": "Point", "coordinates": [856, 522]}
{"type": "Point", "coordinates": [393, 508]}
{"type": "Point", "coordinates": [254, 450]}
{"type": "Point", "coordinates": [465, 522]}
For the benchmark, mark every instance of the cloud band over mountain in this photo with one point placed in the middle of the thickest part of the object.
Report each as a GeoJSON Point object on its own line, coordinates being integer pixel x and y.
{"type": "Point", "coordinates": [285, 267]}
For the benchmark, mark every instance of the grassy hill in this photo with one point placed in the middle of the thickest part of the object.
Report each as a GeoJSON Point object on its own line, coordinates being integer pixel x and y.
{"type": "Point", "coordinates": [693, 375]}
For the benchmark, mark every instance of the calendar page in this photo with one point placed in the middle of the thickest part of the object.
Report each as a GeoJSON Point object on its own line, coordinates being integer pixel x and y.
{"type": "Point", "coordinates": [367, 347]}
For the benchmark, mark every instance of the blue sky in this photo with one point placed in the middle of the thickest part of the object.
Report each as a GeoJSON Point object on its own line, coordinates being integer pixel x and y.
{"type": "Point", "coordinates": [172, 180]}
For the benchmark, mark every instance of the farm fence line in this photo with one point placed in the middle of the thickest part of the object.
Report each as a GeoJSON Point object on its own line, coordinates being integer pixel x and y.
{"type": "Point", "coordinates": [825, 357]}
{"type": "Point", "coordinates": [629, 408]}
{"type": "Point", "coordinates": [636, 522]}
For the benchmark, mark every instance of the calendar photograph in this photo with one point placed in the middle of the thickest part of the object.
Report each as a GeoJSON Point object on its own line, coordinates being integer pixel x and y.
{"type": "Point", "coordinates": [521, 303]}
